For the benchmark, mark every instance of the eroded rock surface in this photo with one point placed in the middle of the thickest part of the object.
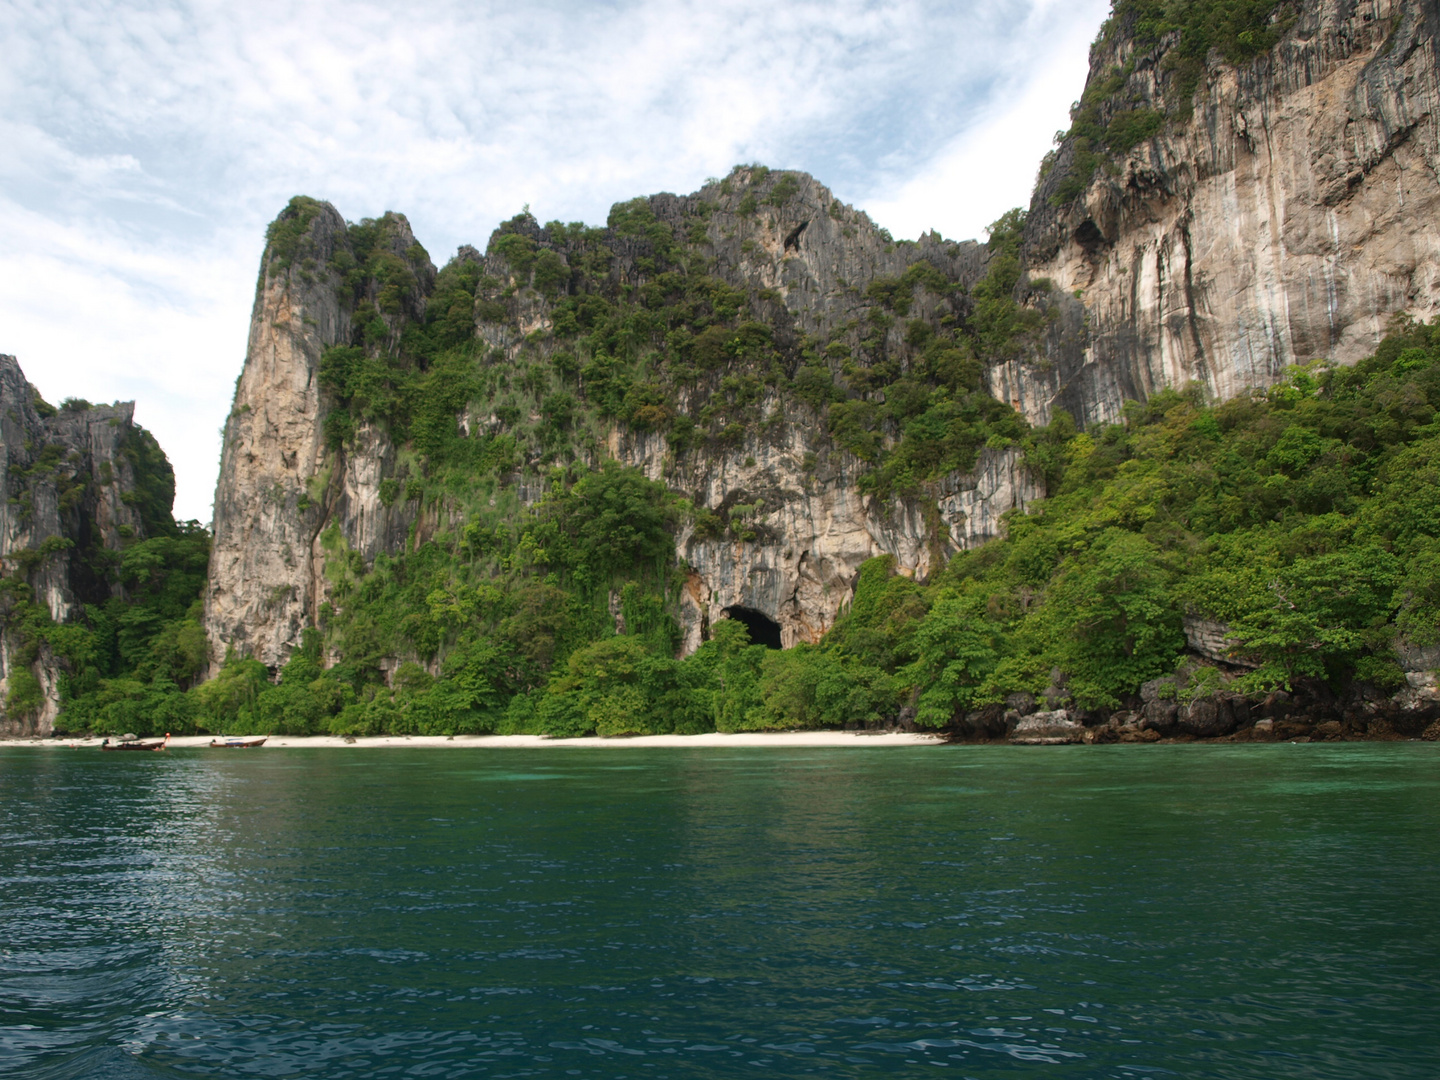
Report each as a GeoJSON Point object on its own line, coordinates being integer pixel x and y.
{"type": "Point", "coordinates": [279, 489]}
{"type": "Point", "coordinates": [286, 503]}
{"type": "Point", "coordinates": [1290, 218]}
{"type": "Point", "coordinates": [67, 487]}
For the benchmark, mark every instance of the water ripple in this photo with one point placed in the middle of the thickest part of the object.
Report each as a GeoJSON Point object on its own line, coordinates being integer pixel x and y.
{"type": "Point", "coordinates": [1185, 911]}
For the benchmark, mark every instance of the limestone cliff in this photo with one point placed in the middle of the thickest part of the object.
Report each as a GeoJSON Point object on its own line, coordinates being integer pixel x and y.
{"type": "Point", "coordinates": [814, 528]}
{"type": "Point", "coordinates": [74, 483]}
{"type": "Point", "coordinates": [1213, 224]}
{"type": "Point", "coordinates": [279, 488]}
{"type": "Point", "coordinates": [1285, 213]}
{"type": "Point", "coordinates": [290, 502]}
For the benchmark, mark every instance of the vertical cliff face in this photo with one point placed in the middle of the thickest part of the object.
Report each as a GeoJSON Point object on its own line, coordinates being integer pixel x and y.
{"type": "Point", "coordinates": [279, 486]}
{"type": "Point", "coordinates": [809, 523]}
{"type": "Point", "coordinates": [1285, 213]}
{"type": "Point", "coordinates": [797, 555]}
{"type": "Point", "coordinates": [296, 494]}
{"type": "Point", "coordinates": [71, 492]}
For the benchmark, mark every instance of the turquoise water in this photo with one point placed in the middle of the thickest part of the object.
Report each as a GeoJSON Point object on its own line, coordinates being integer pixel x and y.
{"type": "Point", "coordinates": [1190, 911]}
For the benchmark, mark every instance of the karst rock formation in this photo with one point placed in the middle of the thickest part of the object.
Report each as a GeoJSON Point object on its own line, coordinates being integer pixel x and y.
{"type": "Point", "coordinates": [1289, 217]}
{"type": "Point", "coordinates": [79, 483]}
{"type": "Point", "coordinates": [281, 488]}
{"type": "Point", "coordinates": [1266, 211]}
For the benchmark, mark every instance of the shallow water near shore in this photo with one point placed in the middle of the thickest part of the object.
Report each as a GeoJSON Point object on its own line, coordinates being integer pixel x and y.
{"type": "Point", "coordinates": [1192, 911]}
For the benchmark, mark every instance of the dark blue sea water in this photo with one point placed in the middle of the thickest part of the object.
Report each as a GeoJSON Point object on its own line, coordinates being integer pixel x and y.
{"type": "Point", "coordinates": [1130, 911]}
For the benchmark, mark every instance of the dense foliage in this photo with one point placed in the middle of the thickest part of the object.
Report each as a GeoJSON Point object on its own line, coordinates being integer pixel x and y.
{"type": "Point", "coordinates": [638, 330]}
{"type": "Point", "coordinates": [1297, 516]}
{"type": "Point", "coordinates": [1303, 517]}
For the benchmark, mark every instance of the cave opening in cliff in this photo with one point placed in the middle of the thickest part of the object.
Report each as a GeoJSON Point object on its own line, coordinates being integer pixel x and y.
{"type": "Point", "coordinates": [763, 629]}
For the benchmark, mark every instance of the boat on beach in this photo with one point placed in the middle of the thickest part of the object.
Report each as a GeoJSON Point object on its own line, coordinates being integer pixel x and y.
{"type": "Point", "coordinates": [132, 743]}
{"type": "Point", "coordinates": [239, 744]}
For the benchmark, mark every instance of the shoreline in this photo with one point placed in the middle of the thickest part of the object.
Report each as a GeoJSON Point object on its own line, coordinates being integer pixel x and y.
{"type": "Point", "coordinates": [783, 739]}
{"type": "Point", "coordinates": [787, 740]}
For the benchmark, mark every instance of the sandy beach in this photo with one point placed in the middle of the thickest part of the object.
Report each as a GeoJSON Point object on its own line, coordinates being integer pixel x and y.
{"type": "Point", "coordinates": [782, 739]}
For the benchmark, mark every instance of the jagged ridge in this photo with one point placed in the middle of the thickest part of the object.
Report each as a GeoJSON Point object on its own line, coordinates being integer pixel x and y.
{"type": "Point", "coordinates": [757, 346]}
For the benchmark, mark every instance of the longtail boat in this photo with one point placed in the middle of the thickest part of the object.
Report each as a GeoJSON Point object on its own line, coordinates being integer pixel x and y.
{"type": "Point", "coordinates": [137, 744]}
{"type": "Point", "coordinates": [239, 744]}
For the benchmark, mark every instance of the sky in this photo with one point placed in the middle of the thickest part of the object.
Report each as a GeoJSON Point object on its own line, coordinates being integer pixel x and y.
{"type": "Point", "coordinates": [147, 145]}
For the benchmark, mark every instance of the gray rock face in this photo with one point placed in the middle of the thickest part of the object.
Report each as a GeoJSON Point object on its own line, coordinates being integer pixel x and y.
{"type": "Point", "coordinates": [1421, 664]}
{"type": "Point", "coordinates": [1048, 729]}
{"type": "Point", "coordinates": [1418, 658]}
{"type": "Point", "coordinates": [818, 255]}
{"type": "Point", "coordinates": [1290, 218]}
{"type": "Point", "coordinates": [816, 528]}
{"type": "Point", "coordinates": [278, 489]}
{"type": "Point", "coordinates": [283, 496]}
{"type": "Point", "coordinates": [1213, 641]}
{"type": "Point", "coordinates": [64, 478]}
{"type": "Point", "coordinates": [1205, 718]}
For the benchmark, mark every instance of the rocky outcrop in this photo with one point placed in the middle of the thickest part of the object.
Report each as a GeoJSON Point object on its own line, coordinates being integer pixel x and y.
{"type": "Point", "coordinates": [68, 490]}
{"type": "Point", "coordinates": [1289, 218]}
{"type": "Point", "coordinates": [1286, 213]}
{"type": "Point", "coordinates": [1213, 641]}
{"type": "Point", "coordinates": [287, 502]}
{"type": "Point", "coordinates": [815, 527]}
{"type": "Point", "coordinates": [1421, 665]}
{"type": "Point", "coordinates": [1048, 729]}
{"type": "Point", "coordinates": [279, 488]}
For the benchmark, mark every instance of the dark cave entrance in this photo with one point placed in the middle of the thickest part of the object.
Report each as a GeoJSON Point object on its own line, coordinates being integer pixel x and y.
{"type": "Point", "coordinates": [763, 629]}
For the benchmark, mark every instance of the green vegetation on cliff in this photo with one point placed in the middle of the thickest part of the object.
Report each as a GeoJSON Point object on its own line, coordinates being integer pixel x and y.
{"type": "Point", "coordinates": [539, 586]}
{"type": "Point", "coordinates": [1117, 112]}
{"type": "Point", "coordinates": [1302, 517]}
{"type": "Point", "coordinates": [134, 644]}
{"type": "Point", "coordinates": [634, 326]}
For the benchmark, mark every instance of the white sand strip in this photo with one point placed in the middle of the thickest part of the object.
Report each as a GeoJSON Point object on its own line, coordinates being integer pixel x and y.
{"type": "Point", "coordinates": [786, 739]}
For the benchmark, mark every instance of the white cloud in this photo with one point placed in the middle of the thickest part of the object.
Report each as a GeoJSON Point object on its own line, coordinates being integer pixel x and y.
{"type": "Point", "coordinates": [92, 314]}
{"type": "Point", "coordinates": [990, 165]}
{"type": "Point", "coordinates": [149, 143]}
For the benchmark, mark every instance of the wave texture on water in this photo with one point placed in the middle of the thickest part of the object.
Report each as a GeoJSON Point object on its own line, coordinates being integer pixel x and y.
{"type": "Point", "coordinates": [1097, 912]}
